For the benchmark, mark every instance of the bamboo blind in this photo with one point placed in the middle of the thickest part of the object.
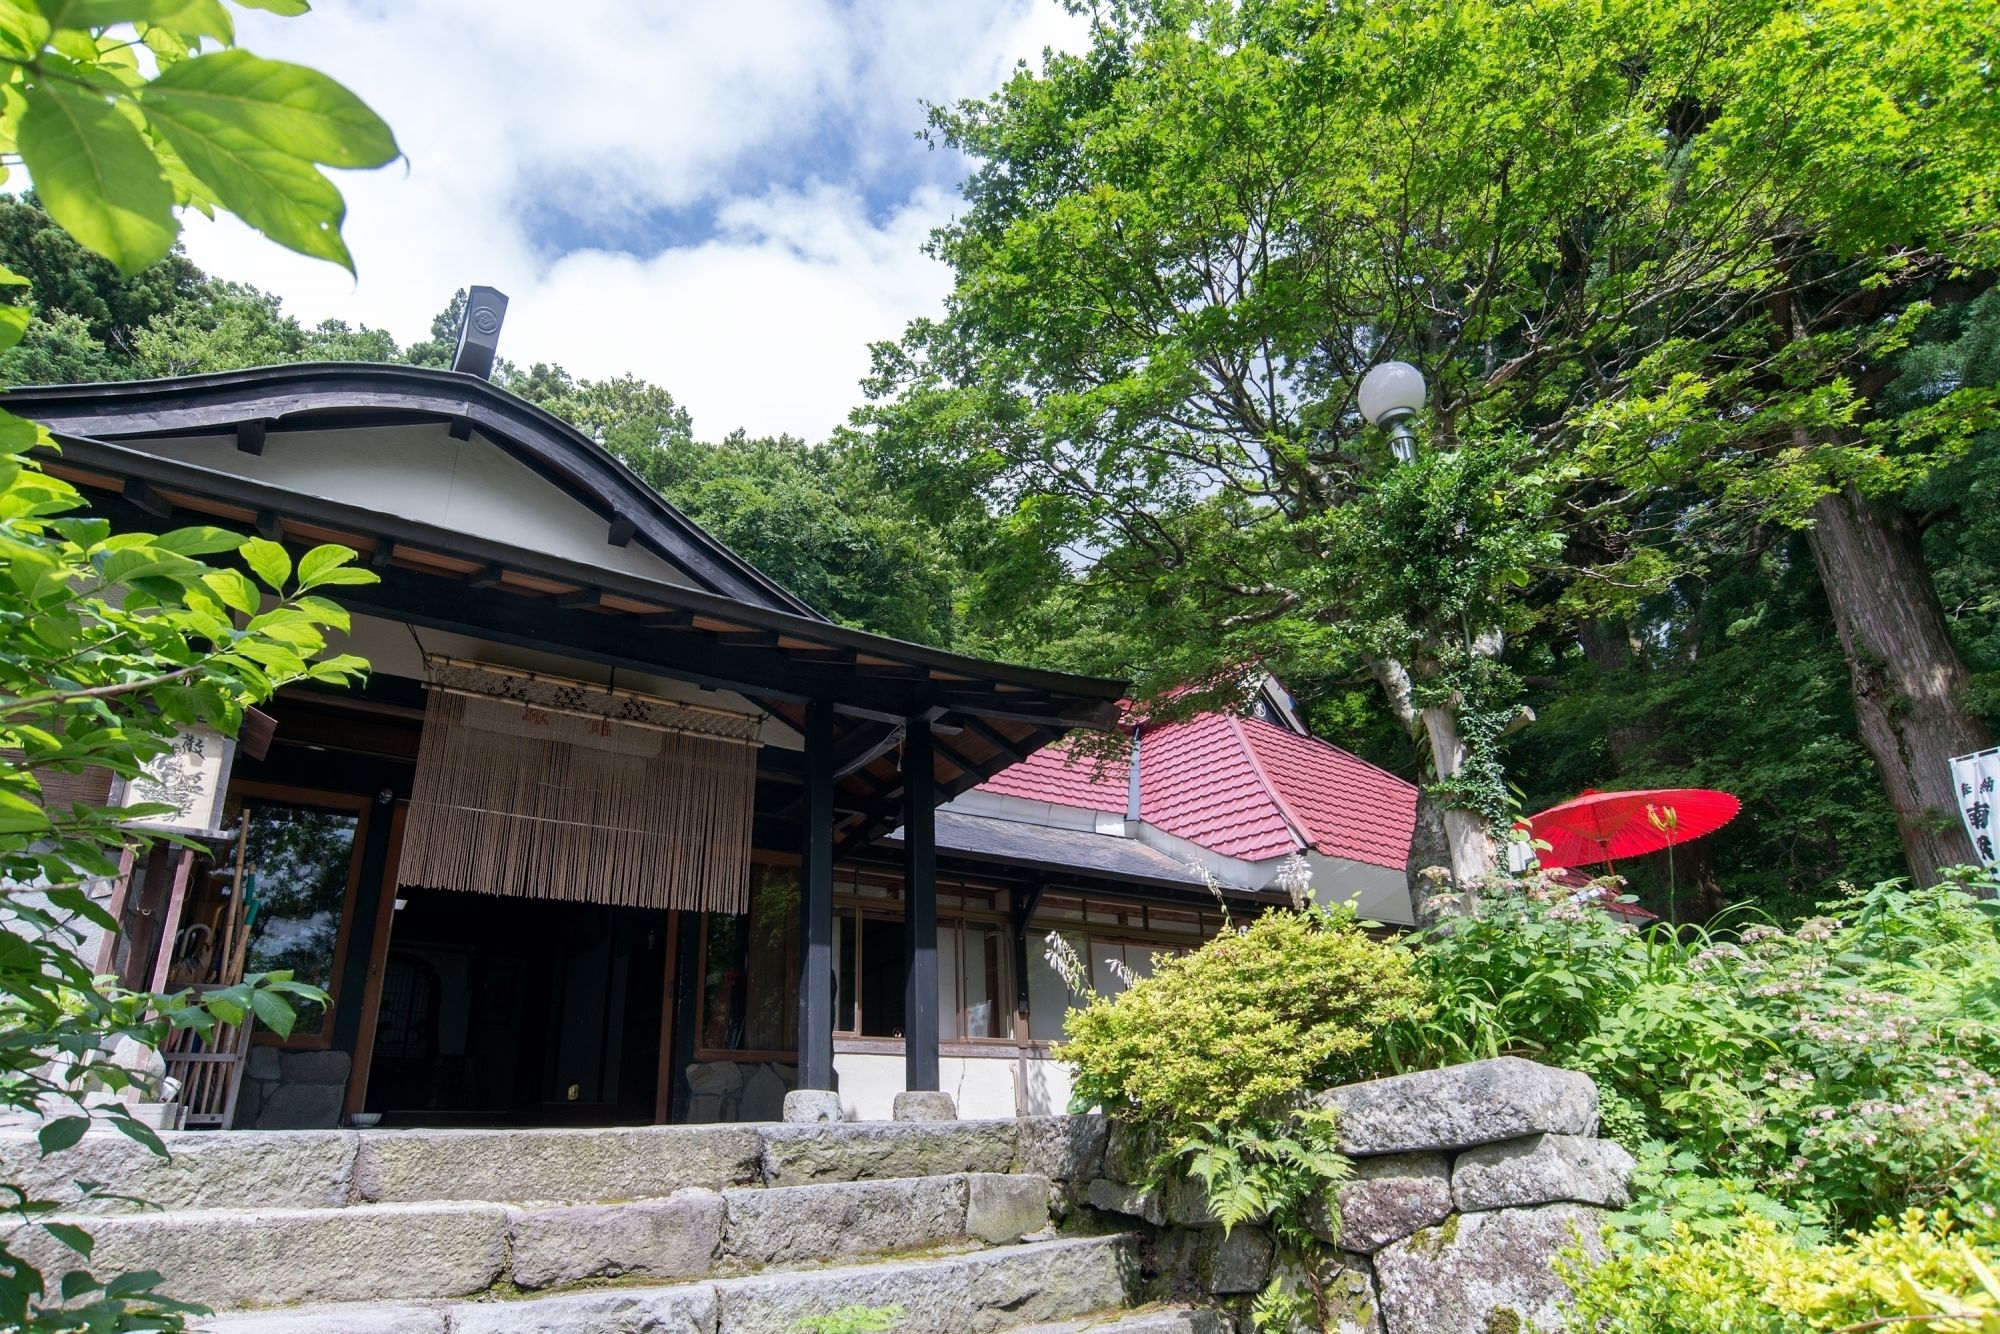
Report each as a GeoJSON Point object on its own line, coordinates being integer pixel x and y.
{"type": "Point", "coordinates": [525, 786]}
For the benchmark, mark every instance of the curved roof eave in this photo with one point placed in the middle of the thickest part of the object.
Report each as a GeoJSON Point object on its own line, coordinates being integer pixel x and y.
{"type": "Point", "coordinates": [312, 393]}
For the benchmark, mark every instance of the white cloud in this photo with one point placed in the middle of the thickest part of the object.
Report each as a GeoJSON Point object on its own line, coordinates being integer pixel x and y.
{"type": "Point", "coordinates": [625, 113]}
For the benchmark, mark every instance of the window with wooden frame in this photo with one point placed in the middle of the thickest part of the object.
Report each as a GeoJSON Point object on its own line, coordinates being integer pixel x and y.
{"type": "Point", "coordinates": [749, 974]}
{"type": "Point", "coordinates": [302, 859]}
{"type": "Point", "coordinates": [1115, 938]}
{"type": "Point", "coordinates": [749, 969]}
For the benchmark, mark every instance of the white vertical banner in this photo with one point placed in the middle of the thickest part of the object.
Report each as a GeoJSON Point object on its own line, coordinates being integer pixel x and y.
{"type": "Point", "coordinates": [1975, 782]}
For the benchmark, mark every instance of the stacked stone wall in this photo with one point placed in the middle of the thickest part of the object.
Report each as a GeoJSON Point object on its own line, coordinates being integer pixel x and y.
{"type": "Point", "coordinates": [1467, 1183]}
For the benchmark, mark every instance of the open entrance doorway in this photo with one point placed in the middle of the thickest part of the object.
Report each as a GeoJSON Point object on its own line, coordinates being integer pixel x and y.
{"type": "Point", "coordinates": [518, 1012]}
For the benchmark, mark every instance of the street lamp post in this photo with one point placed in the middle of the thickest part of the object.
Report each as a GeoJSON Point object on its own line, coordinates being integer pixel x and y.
{"type": "Point", "coordinates": [1390, 395]}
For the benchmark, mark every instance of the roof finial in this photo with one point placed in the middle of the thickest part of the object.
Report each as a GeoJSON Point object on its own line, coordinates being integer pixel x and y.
{"type": "Point", "coordinates": [479, 333]}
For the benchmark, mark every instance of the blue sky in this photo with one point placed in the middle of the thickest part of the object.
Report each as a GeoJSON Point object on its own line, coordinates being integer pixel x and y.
{"type": "Point", "coordinates": [728, 199]}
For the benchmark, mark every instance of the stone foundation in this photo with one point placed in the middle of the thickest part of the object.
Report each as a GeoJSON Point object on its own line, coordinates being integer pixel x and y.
{"type": "Point", "coordinates": [1467, 1183]}
{"type": "Point", "coordinates": [292, 1090]}
{"type": "Point", "coordinates": [730, 1091]}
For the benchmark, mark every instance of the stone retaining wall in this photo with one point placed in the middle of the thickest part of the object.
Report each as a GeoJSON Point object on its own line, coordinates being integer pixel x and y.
{"type": "Point", "coordinates": [1467, 1182]}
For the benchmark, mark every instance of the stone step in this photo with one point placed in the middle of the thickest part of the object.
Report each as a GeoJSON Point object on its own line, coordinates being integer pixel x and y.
{"type": "Point", "coordinates": [982, 1292]}
{"type": "Point", "coordinates": [322, 1169]}
{"type": "Point", "coordinates": [239, 1258]}
{"type": "Point", "coordinates": [1165, 1320]}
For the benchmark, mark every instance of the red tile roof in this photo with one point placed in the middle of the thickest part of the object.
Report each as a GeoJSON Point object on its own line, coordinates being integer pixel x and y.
{"type": "Point", "coordinates": [1055, 775]}
{"type": "Point", "coordinates": [1240, 787]}
{"type": "Point", "coordinates": [1346, 806]}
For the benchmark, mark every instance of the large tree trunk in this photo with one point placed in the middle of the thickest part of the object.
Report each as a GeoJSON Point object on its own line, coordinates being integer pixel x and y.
{"type": "Point", "coordinates": [1467, 839]}
{"type": "Point", "coordinates": [1453, 838]}
{"type": "Point", "coordinates": [1909, 685]}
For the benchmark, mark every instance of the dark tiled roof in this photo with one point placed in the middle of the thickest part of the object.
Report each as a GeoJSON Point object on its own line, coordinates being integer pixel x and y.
{"type": "Point", "coordinates": [985, 838]}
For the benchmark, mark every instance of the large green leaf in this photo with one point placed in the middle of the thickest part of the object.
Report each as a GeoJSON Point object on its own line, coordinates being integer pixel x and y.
{"type": "Point", "coordinates": [190, 18]}
{"type": "Point", "coordinates": [96, 175]}
{"type": "Point", "coordinates": [282, 195]}
{"type": "Point", "coordinates": [295, 110]}
{"type": "Point", "coordinates": [289, 8]}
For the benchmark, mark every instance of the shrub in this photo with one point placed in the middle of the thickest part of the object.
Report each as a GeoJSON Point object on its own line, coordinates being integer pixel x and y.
{"type": "Point", "coordinates": [1919, 1272]}
{"type": "Point", "coordinates": [1845, 1067]}
{"type": "Point", "coordinates": [1293, 1001]}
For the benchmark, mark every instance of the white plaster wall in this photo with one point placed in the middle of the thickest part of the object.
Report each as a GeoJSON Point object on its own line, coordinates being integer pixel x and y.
{"type": "Point", "coordinates": [981, 1086]}
{"type": "Point", "coordinates": [1046, 1085]}
{"type": "Point", "coordinates": [421, 473]}
{"type": "Point", "coordinates": [1377, 893]}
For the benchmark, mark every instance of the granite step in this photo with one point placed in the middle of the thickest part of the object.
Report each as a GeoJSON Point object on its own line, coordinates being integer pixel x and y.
{"type": "Point", "coordinates": [239, 1258]}
{"type": "Point", "coordinates": [1004, 1288]}
{"type": "Point", "coordinates": [1164, 1320]}
{"type": "Point", "coordinates": [330, 1169]}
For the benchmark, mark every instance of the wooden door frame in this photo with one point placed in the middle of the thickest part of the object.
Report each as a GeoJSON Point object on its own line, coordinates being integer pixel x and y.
{"type": "Point", "coordinates": [663, 1093]}
{"type": "Point", "coordinates": [249, 791]}
{"type": "Point", "coordinates": [378, 961]}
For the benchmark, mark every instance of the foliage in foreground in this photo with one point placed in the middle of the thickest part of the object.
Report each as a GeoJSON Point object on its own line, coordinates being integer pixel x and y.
{"type": "Point", "coordinates": [110, 642]}
{"type": "Point", "coordinates": [1213, 1055]}
{"type": "Point", "coordinates": [1919, 1272]}
{"type": "Point", "coordinates": [1793, 1092]}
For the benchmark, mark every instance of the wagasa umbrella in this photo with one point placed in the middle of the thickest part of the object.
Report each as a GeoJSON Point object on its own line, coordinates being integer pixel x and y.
{"type": "Point", "coordinates": [1600, 826]}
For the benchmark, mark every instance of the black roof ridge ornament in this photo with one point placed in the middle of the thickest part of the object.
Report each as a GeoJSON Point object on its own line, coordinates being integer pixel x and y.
{"type": "Point", "coordinates": [479, 332]}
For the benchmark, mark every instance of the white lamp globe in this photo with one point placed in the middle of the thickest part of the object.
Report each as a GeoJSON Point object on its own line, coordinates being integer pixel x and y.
{"type": "Point", "coordinates": [1391, 391]}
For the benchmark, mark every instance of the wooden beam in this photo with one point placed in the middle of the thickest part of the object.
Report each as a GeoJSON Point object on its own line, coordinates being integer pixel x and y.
{"type": "Point", "coordinates": [270, 526]}
{"type": "Point", "coordinates": [146, 498]}
{"type": "Point", "coordinates": [460, 428]}
{"type": "Point", "coordinates": [250, 436]}
{"type": "Point", "coordinates": [667, 620]}
{"type": "Point", "coordinates": [997, 739]}
{"type": "Point", "coordinates": [920, 945]}
{"type": "Point", "coordinates": [748, 638]}
{"type": "Point", "coordinates": [487, 578]}
{"type": "Point", "coordinates": [622, 530]}
{"type": "Point", "coordinates": [581, 598]}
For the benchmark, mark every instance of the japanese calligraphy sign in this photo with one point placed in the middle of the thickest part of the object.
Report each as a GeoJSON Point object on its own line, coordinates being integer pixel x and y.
{"type": "Point", "coordinates": [191, 778]}
{"type": "Point", "coordinates": [1975, 781]}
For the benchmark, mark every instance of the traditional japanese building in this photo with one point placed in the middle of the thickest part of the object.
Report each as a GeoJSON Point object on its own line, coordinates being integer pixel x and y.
{"type": "Point", "coordinates": [618, 830]}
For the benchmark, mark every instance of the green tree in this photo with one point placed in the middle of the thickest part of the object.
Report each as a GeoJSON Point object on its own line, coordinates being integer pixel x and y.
{"type": "Point", "coordinates": [1641, 252]}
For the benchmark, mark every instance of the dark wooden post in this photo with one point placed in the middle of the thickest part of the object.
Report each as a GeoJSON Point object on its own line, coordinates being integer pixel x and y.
{"type": "Point", "coordinates": [816, 904]}
{"type": "Point", "coordinates": [1025, 901]}
{"type": "Point", "coordinates": [920, 988]}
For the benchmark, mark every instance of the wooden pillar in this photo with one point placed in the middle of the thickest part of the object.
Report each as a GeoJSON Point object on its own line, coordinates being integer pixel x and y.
{"type": "Point", "coordinates": [1025, 901]}
{"type": "Point", "coordinates": [816, 904]}
{"type": "Point", "coordinates": [920, 978]}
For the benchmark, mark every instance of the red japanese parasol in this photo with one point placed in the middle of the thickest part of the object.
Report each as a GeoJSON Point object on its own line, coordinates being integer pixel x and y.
{"type": "Point", "coordinates": [1600, 826]}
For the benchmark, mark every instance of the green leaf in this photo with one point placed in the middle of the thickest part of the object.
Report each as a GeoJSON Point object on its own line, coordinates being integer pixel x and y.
{"type": "Point", "coordinates": [268, 561]}
{"type": "Point", "coordinates": [97, 176]}
{"type": "Point", "coordinates": [13, 323]}
{"type": "Point", "coordinates": [296, 111]}
{"type": "Point", "coordinates": [347, 574]}
{"type": "Point", "coordinates": [61, 1133]}
{"type": "Point", "coordinates": [272, 1009]}
{"type": "Point", "coordinates": [321, 559]}
{"type": "Point", "coordinates": [290, 9]}
{"type": "Point", "coordinates": [199, 541]}
{"type": "Point", "coordinates": [279, 193]}
{"type": "Point", "coordinates": [190, 18]}
{"type": "Point", "coordinates": [72, 1236]}
{"type": "Point", "coordinates": [235, 590]}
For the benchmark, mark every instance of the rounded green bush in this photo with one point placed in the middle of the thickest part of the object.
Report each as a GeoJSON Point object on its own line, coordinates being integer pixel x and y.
{"type": "Point", "coordinates": [1289, 1003]}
